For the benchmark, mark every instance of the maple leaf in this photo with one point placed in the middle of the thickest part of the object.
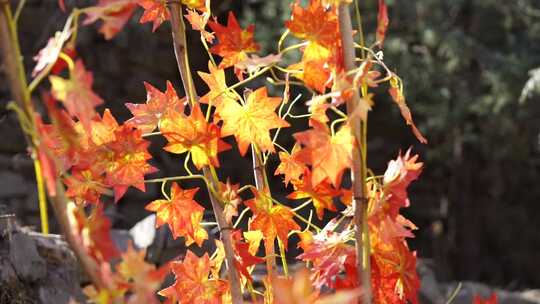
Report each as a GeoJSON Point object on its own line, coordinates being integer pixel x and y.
{"type": "Point", "coordinates": [230, 198]}
{"type": "Point", "coordinates": [254, 239]}
{"type": "Point", "coordinates": [251, 123]}
{"type": "Point", "coordinates": [314, 23]}
{"type": "Point", "coordinates": [128, 163]}
{"type": "Point", "coordinates": [94, 232]}
{"type": "Point", "coordinates": [394, 267]}
{"type": "Point", "coordinates": [272, 220]}
{"type": "Point", "coordinates": [76, 93]}
{"type": "Point", "coordinates": [329, 155]}
{"type": "Point", "coordinates": [194, 135]}
{"type": "Point", "coordinates": [315, 73]}
{"type": "Point", "coordinates": [103, 130]}
{"type": "Point", "coordinates": [396, 91]}
{"type": "Point", "coordinates": [114, 15]}
{"type": "Point", "coordinates": [290, 166]}
{"type": "Point", "coordinates": [254, 63]}
{"type": "Point", "coordinates": [147, 116]}
{"type": "Point", "coordinates": [154, 11]}
{"type": "Point", "coordinates": [182, 214]}
{"type": "Point", "coordinates": [382, 22]}
{"type": "Point", "coordinates": [491, 300]}
{"type": "Point", "coordinates": [322, 194]}
{"type": "Point", "coordinates": [298, 290]}
{"type": "Point", "coordinates": [234, 43]}
{"type": "Point", "coordinates": [218, 88]}
{"type": "Point", "coordinates": [192, 283]}
{"type": "Point", "coordinates": [244, 258]}
{"type": "Point", "coordinates": [85, 186]}
{"type": "Point", "coordinates": [397, 177]}
{"type": "Point", "coordinates": [328, 252]}
{"type": "Point", "coordinates": [144, 279]}
{"type": "Point", "coordinates": [198, 23]}
{"type": "Point", "coordinates": [195, 4]}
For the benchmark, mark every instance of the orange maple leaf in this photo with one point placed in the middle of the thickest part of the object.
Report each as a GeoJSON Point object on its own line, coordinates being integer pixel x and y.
{"type": "Point", "coordinates": [272, 220]}
{"type": "Point", "coordinates": [85, 186]}
{"type": "Point", "coordinates": [218, 88]}
{"type": "Point", "coordinates": [192, 282]}
{"type": "Point", "coordinates": [143, 279]}
{"type": "Point", "coordinates": [231, 199]}
{"type": "Point", "coordinates": [251, 123]}
{"type": "Point", "coordinates": [234, 43]}
{"type": "Point", "coordinates": [198, 23]}
{"type": "Point", "coordinates": [314, 23]}
{"type": "Point", "coordinates": [114, 15]}
{"type": "Point", "coordinates": [290, 166]}
{"type": "Point", "coordinates": [322, 194]}
{"type": "Point", "coordinates": [182, 214]}
{"type": "Point", "coordinates": [329, 155]}
{"type": "Point", "coordinates": [76, 93]}
{"type": "Point", "coordinates": [147, 116]}
{"type": "Point", "coordinates": [128, 163]}
{"type": "Point", "coordinates": [195, 135]}
{"type": "Point", "coordinates": [394, 273]}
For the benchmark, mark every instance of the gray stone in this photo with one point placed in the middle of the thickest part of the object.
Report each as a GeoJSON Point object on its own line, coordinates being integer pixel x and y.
{"type": "Point", "coordinates": [25, 258]}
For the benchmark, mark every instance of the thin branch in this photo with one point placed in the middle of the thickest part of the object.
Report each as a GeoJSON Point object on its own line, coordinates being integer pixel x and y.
{"type": "Point", "coordinates": [358, 164]}
{"type": "Point", "coordinates": [12, 58]}
{"type": "Point", "coordinates": [179, 42]}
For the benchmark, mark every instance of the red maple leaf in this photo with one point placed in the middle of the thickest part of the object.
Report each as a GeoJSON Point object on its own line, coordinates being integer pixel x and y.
{"type": "Point", "coordinates": [234, 43]}
{"type": "Point", "coordinates": [243, 257]}
{"type": "Point", "coordinates": [491, 300]}
{"type": "Point", "coordinates": [94, 232]}
{"type": "Point", "coordinates": [155, 11]}
{"type": "Point", "coordinates": [181, 213]}
{"type": "Point", "coordinates": [327, 252]}
{"type": "Point", "coordinates": [382, 22]}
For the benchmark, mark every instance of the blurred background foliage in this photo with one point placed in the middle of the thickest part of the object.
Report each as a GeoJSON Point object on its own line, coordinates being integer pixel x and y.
{"type": "Point", "coordinates": [467, 70]}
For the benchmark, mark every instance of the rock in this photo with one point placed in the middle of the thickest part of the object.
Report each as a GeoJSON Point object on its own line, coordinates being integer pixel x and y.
{"type": "Point", "coordinates": [25, 258]}
{"type": "Point", "coordinates": [13, 185]}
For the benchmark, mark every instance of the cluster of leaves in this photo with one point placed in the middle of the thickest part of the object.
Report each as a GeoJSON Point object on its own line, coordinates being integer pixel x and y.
{"type": "Point", "coordinates": [95, 156]}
